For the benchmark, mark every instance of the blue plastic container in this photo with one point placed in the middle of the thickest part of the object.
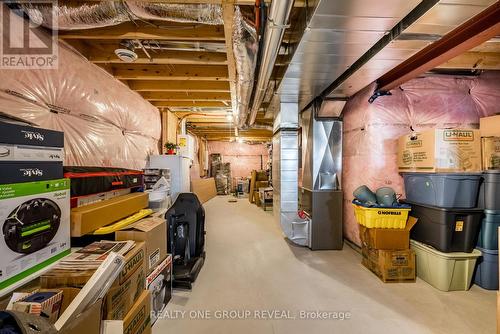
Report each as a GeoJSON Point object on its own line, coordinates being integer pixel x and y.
{"type": "Point", "coordinates": [444, 190]}
{"type": "Point", "coordinates": [486, 275]}
{"type": "Point", "coordinates": [488, 236]}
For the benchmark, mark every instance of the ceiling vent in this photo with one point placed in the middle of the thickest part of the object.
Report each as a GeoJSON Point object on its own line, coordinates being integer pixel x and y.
{"type": "Point", "coordinates": [127, 53]}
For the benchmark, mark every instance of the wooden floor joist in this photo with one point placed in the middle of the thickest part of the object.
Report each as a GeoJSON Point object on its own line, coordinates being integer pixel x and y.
{"type": "Point", "coordinates": [181, 85]}
{"type": "Point", "coordinates": [173, 72]}
{"type": "Point", "coordinates": [170, 32]}
{"type": "Point", "coordinates": [189, 104]}
{"type": "Point", "coordinates": [185, 96]}
{"type": "Point", "coordinates": [160, 57]}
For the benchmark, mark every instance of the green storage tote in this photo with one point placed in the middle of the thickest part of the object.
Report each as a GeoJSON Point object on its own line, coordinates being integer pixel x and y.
{"type": "Point", "coordinates": [445, 271]}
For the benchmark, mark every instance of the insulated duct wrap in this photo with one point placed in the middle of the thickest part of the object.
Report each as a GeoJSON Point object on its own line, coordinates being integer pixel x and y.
{"type": "Point", "coordinates": [104, 122]}
{"type": "Point", "coordinates": [371, 130]}
{"type": "Point", "coordinates": [109, 13]}
{"type": "Point", "coordinates": [186, 13]}
{"type": "Point", "coordinates": [245, 46]}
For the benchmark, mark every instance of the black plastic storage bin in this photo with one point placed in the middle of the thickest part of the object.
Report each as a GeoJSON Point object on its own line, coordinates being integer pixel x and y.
{"type": "Point", "coordinates": [446, 190]}
{"type": "Point", "coordinates": [492, 190]}
{"type": "Point", "coordinates": [447, 230]}
{"type": "Point", "coordinates": [486, 275]}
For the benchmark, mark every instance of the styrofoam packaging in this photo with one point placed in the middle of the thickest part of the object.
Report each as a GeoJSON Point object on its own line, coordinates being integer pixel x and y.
{"type": "Point", "coordinates": [35, 227]}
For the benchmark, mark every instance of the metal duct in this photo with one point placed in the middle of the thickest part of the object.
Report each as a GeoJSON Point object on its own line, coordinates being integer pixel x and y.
{"type": "Point", "coordinates": [187, 13]}
{"type": "Point", "coordinates": [275, 28]}
{"type": "Point", "coordinates": [108, 13]}
{"type": "Point", "coordinates": [245, 48]}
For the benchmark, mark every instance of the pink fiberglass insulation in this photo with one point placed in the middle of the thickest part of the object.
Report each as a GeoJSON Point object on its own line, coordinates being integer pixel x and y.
{"type": "Point", "coordinates": [371, 130]}
{"type": "Point", "coordinates": [243, 157]}
{"type": "Point", "coordinates": [104, 122]}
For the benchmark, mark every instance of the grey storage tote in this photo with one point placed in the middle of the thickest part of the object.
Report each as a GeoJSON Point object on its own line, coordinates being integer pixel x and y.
{"type": "Point", "coordinates": [488, 236]}
{"type": "Point", "coordinates": [445, 190]}
{"type": "Point", "coordinates": [492, 190]}
{"type": "Point", "coordinates": [486, 275]}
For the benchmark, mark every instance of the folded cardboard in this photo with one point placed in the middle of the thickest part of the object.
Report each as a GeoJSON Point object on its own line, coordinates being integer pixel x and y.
{"type": "Point", "coordinates": [491, 152]}
{"type": "Point", "coordinates": [45, 303]}
{"type": "Point", "coordinates": [498, 312]}
{"type": "Point", "coordinates": [137, 320]}
{"type": "Point", "coordinates": [440, 150]}
{"type": "Point", "coordinates": [151, 230]}
{"type": "Point", "coordinates": [89, 218]}
{"type": "Point", "coordinates": [387, 238]}
{"type": "Point", "coordinates": [10, 152]}
{"type": "Point", "coordinates": [159, 284]}
{"type": "Point", "coordinates": [389, 265]}
{"type": "Point", "coordinates": [35, 222]}
{"type": "Point", "coordinates": [490, 126]}
{"type": "Point", "coordinates": [30, 171]}
{"type": "Point", "coordinates": [11, 133]}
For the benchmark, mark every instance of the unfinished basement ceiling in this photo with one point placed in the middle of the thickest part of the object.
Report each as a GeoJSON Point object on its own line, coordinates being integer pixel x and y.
{"type": "Point", "coordinates": [188, 68]}
{"type": "Point", "coordinates": [340, 32]}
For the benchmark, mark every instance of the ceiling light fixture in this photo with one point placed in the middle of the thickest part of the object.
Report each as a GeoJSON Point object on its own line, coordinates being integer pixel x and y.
{"type": "Point", "coordinates": [127, 53]}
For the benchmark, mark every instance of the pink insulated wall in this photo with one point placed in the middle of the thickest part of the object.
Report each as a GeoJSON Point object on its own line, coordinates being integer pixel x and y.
{"type": "Point", "coordinates": [371, 130]}
{"type": "Point", "coordinates": [243, 157]}
{"type": "Point", "coordinates": [104, 122]}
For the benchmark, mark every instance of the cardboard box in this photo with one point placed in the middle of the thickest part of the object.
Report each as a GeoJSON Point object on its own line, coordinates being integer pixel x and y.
{"type": "Point", "coordinates": [389, 265]}
{"type": "Point", "coordinates": [151, 230]}
{"type": "Point", "coordinates": [159, 284]}
{"type": "Point", "coordinates": [30, 171]}
{"type": "Point", "coordinates": [89, 218]}
{"type": "Point", "coordinates": [46, 303]}
{"type": "Point", "coordinates": [10, 152]}
{"type": "Point", "coordinates": [89, 322]}
{"type": "Point", "coordinates": [128, 286]}
{"type": "Point", "coordinates": [498, 312]}
{"type": "Point", "coordinates": [491, 152]}
{"type": "Point", "coordinates": [440, 150]}
{"type": "Point", "coordinates": [490, 126]}
{"type": "Point", "coordinates": [123, 292]}
{"type": "Point", "coordinates": [27, 135]}
{"type": "Point", "coordinates": [137, 320]}
{"type": "Point", "coordinates": [387, 238]}
{"type": "Point", "coordinates": [39, 234]}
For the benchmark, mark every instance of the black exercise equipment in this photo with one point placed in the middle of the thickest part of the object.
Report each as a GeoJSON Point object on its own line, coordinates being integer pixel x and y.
{"type": "Point", "coordinates": [186, 235]}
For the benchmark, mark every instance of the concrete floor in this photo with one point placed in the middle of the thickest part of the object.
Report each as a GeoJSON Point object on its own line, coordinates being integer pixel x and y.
{"type": "Point", "coordinates": [251, 267]}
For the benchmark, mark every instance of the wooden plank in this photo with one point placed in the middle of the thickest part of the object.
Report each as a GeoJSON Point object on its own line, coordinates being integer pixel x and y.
{"type": "Point", "coordinates": [165, 72]}
{"type": "Point", "coordinates": [228, 14]}
{"type": "Point", "coordinates": [141, 31]}
{"type": "Point", "coordinates": [176, 86]}
{"type": "Point", "coordinates": [204, 188]}
{"type": "Point", "coordinates": [160, 57]}
{"type": "Point", "coordinates": [185, 96]}
{"type": "Point", "coordinates": [474, 60]}
{"type": "Point", "coordinates": [187, 104]}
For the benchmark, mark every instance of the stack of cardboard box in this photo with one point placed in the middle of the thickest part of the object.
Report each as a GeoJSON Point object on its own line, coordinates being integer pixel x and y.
{"type": "Point", "coordinates": [34, 201]}
{"type": "Point", "coordinates": [386, 252]}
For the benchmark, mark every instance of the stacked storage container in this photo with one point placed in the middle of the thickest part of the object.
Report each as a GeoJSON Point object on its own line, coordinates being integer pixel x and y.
{"type": "Point", "coordinates": [486, 275]}
{"type": "Point", "coordinates": [442, 175]}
